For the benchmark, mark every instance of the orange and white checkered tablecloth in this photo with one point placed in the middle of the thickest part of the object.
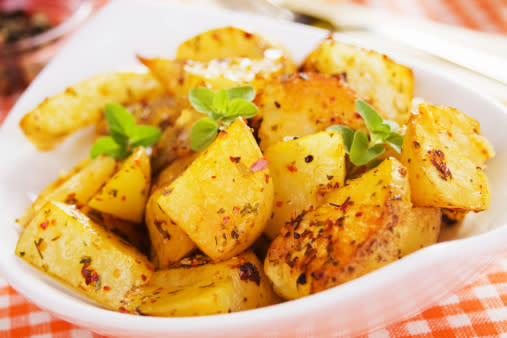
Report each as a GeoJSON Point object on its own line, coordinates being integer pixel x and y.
{"type": "Point", "coordinates": [477, 310]}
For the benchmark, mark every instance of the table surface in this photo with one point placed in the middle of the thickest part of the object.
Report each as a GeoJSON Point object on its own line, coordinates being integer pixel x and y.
{"type": "Point", "coordinates": [478, 309]}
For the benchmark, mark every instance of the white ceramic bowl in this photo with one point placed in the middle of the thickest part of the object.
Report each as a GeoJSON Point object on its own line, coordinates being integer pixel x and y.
{"type": "Point", "coordinates": [109, 42]}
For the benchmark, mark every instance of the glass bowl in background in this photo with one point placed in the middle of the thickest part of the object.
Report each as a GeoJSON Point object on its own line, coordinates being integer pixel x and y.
{"type": "Point", "coordinates": [22, 60]}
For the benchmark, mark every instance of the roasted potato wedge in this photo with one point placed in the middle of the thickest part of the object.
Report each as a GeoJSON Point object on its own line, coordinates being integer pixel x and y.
{"type": "Point", "coordinates": [125, 194]}
{"type": "Point", "coordinates": [226, 42]}
{"type": "Point", "coordinates": [169, 242]}
{"type": "Point", "coordinates": [179, 77]}
{"type": "Point", "coordinates": [75, 187]}
{"type": "Point", "coordinates": [388, 85]}
{"type": "Point", "coordinates": [303, 171]}
{"type": "Point", "coordinates": [82, 104]}
{"type": "Point", "coordinates": [234, 285]}
{"type": "Point", "coordinates": [304, 103]}
{"type": "Point", "coordinates": [64, 243]}
{"type": "Point", "coordinates": [355, 232]}
{"type": "Point", "coordinates": [225, 197]}
{"type": "Point", "coordinates": [444, 152]}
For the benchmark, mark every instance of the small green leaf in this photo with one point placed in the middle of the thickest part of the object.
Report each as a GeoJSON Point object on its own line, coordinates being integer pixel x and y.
{"type": "Point", "coordinates": [203, 134]}
{"type": "Point", "coordinates": [394, 126]}
{"type": "Point", "coordinates": [371, 118]}
{"type": "Point", "coordinates": [121, 123]}
{"type": "Point", "coordinates": [145, 136]}
{"type": "Point", "coordinates": [107, 145]}
{"type": "Point", "coordinates": [246, 93]}
{"type": "Point", "coordinates": [221, 103]}
{"type": "Point", "coordinates": [240, 107]}
{"type": "Point", "coordinates": [395, 141]}
{"type": "Point", "coordinates": [202, 99]}
{"type": "Point", "coordinates": [347, 135]}
{"type": "Point", "coordinates": [360, 153]}
{"type": "Point", "coordinates": [374, 163]}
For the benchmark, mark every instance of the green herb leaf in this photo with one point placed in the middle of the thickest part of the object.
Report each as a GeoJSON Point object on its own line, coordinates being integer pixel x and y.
{"type": "Point", "coordinates": [203, 134]}
{"type": "Point", "coordinates": [220, 103]}
{"type": "Point", "coordinates": [202, 99]}
{"type": "Point", "coordinates": [246, 93]}
{"type": "Point", "coordinates": [240, 107]}
{"type": "Point", "coordinates": [121, 123]}
{"type": "Point", "coordinates": [372, 119]}
{"type": "Point", "coordinates": [373, 163]}
{"type": "Point", "coordinates": [107, 145]}
{"type": "Point", "coordinates": [145, 136]}
{"type": "Point", "coordinates": [395, 141]}
{"type": "Point", "coordinates": [360, 152]}
{"type": "Point", "coordinates": [394, 126]}
{"type": "Point", "coordinates": [347, 135]}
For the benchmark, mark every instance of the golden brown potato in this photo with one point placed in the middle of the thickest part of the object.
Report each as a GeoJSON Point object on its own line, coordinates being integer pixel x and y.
{"type": "Point", "coordinates": [355, 232]}
{"type": "Point", "coordinates": [76, 187]}
{"type": "Point", "coordinates": [444, 152]}
{"type": "Point", "coordinates": [179, 77]}
{"type": "Point", "coordinates": [64, 243]}
{"type": "Point", "coordinates": [82, 105]}
{"type": "Point", "coordinates": [234, 285]}
{"type": "Point", "coordinates": [453, 216]}
{"type": "Point", "coordinates": [169, 242]}
{"type": "Point", "coordinates": [223, 200]}
{"type": "Point", "coordinates": [388, 85]}
{"type": "Point", "coordinates": [226, 42]}
{"type": "Point", "coordinates": [303, 171]}
{"type": "Point", "coordinates": [125, 194]}
{"type": "Point", "coordinates": [303, 104]}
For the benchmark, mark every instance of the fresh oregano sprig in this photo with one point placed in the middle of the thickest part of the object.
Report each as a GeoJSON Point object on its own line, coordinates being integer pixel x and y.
{"type": "Point", "coordinates": [363, 149]}
{"type": "Point", "coordinates": [223, 107]}
{"type": "Point", "coordinates": [125, 134]}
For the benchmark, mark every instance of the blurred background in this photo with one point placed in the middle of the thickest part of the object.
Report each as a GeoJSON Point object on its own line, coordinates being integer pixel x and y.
{"type": "Point", "coordinates": [32, 31]}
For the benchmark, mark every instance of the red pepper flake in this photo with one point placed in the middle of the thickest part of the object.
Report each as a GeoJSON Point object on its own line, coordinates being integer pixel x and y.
{"type": "Point", "coordinates": [123, 309]}
{"type": "Point", "coordinates": [225, 219]}
{"type": "Point", "coordinates": [98, 199]}
{"type": "Point", "coordinates": [248, 271]}
{"type": "Point", "coordinates": [107, 288]}
{"type": "Point", "coordinates": [357, 116]}
{"type": "Point", "coordinates": [44, 225]}
{"type": "Point", "coordinates": [235, 159]}
{"type": "Point", "coordinates": [143, 277]}
{"type": "Point", "coordinates": [262, 189]}
{"type": "Point", "coordinates": [82, 287]}
{"type": "Point", "coordinates": [260, 164]}
{"type": "Point", "coordinates": [279, 203]}
{"type": "Point", "coordinates": [213, 177]}
{"type": "Point", "coordinates": [324, 105]}
{"type": "Point", "coordinates": [123, 198]}
{"type": "Point", "coordinates": [235, 210]}
{"type": "Point", "coordinates": [89, 275]}
{"type": "Point", "coordinates": [292, 168]}
{"type": "Point", "coordinates": [266, 176]}
{"type": "Point", "coordinates": [332, 98]}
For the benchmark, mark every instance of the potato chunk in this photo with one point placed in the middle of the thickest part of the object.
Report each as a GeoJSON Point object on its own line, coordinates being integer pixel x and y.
{"type": "Point", "coordinates": [223, 200]}
{"type": "Point", "coordinates": [76, 187]}
{"type": "Point", "coordinates": [444, 153]}
{"type": "Point", "coordinates": [64, 243]}
{"type": "Point", "coordinates": [303, 171]}
{"type": "Point", "coordinates": [303, 104]}
{"type": "Point", "coordinates": [125, 194]}
{"type": "Point", "coordinates": [225, 42]}
{"type": "Point", "coordinates": [234, 285]}
{"type": "Point", "coordinates": [169, 242]}
{"type": "Point", "coordinates": [81, 105]}
{"type": "Point", "coordinates": [355, 232]}
{"type": "Point", "coordinates": [387, 84]}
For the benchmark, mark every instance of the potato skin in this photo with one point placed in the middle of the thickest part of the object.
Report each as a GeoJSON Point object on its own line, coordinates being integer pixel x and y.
{"type": "Point", "coordinates": [353, 233]}
{"type": "Point", "coordinates": [389, 86]}
{"type": "Point", "coordinates": [303, 171]}
{"type": "Point", "coordinates": [62, 242]}
{"type": "Point", "coordinates": [82, 104]}
{"type": "Point", "coordinates": [224, 198]}
{"type": "Point", "coordinates": [445, 154]}
{"type": "Point", "coordinates": [304, 103]}
{"type": "Point", "coordinates": [236, 284]}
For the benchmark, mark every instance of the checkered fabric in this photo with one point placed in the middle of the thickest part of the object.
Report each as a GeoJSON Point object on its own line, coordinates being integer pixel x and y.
{"type": "Point", "coordinates": [477, 310]}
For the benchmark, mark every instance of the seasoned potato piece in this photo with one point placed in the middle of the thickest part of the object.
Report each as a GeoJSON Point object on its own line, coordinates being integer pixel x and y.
{"type": "Point", "coordinates": [421, 228]}
{"type": "Point", "coordinates": [356, 231]}
{"type": "Point", "coordinates": [388, 85]}
{"type": "Point", "coordinates": [223, 200]}
{"type": "Point", "coordinates": [303, 171]}
{"type": "Point", "coordinates": [125, 194]}
{"type": "Point", "coordinates": [175, 141]}
{"type": "Point", "coordinates": [82, 105]}
{"type": "Point", "coordinates": [169, 242]}
{"type": "Point", "coordinates": [179, 77]}
{"type": "Point", "coordinates": [234, 285]}
{"type": "Point", "coordinates": [444, 153]}
{"type": "Point", "coordinates": [453, 216]}
{"type": "Point", "coordinates": [76, 187]}
{"type": "Point", "coordinates": [226, 42]}
{"type": "Point", "coordinates": [303, 104]}
{"type": "Point", "coordinates": [64, 243]}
